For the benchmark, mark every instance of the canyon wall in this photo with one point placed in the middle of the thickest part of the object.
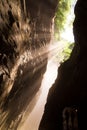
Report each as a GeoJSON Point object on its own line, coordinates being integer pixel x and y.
{"type": "Point", "coordinates": [66, 107]}
{"type": "Point", "coordinates": [25, 32]}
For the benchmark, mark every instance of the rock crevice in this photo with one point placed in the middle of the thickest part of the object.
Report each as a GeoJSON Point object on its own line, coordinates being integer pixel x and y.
{"type": "Point", "coordinates": [69, 92]}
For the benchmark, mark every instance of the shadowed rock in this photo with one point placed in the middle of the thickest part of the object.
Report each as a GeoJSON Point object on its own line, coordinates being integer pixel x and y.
{"type": "Point", "coordinates": [70, 87]}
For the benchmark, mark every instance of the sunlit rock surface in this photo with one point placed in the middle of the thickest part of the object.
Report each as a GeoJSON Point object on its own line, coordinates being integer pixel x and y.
{"type": "Point", "coordinates": [25, 32]}
{"type": "Point", "coordinates": [66, 107]}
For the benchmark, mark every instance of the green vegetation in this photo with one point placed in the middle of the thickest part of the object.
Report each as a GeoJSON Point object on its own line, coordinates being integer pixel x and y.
{"type": "Point", "coordinates": [63, 54]}
{"type": "Point", "coordinates": [64, 7]}
{"type": "Point", "coordinates": [67, 50]}
{"type": "Point", "coordinates": [63, 21]}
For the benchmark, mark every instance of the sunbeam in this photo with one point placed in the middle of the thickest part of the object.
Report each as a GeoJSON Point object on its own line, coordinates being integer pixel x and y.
{"type": "Point", "coordinates": [29, 65]}
{"type": "Point", "coordinates": [35, 116]}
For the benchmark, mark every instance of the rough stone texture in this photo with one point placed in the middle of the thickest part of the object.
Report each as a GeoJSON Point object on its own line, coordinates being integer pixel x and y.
{"type": "Point", "coordinates": [70, 87]}
{"type": "Point", "coordinates": [23, 37]}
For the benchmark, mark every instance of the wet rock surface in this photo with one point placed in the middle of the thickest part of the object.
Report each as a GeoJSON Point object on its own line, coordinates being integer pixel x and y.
{"type": "Point", "coordinates": [24, 35]}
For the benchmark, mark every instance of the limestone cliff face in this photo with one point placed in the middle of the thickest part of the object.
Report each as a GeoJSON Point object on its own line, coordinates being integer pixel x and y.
{"type": "Point", "coordinates": [66, 106]}
{"type": "Point", "coordinates": [25, 30]}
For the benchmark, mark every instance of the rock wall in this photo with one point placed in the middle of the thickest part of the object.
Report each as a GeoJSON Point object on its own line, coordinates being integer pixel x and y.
{"type": "Point", "coordinates": [66, 107]}
{"type": "Point", "coordinates": [25, 30]}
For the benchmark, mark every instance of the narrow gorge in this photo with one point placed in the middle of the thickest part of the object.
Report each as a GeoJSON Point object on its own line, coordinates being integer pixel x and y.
{"type": "Point", "coordinates": [26, 30]}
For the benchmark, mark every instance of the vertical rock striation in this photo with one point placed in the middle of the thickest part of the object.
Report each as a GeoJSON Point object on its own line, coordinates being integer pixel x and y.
{"type": "Point", "coordinates": [25, 30]}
